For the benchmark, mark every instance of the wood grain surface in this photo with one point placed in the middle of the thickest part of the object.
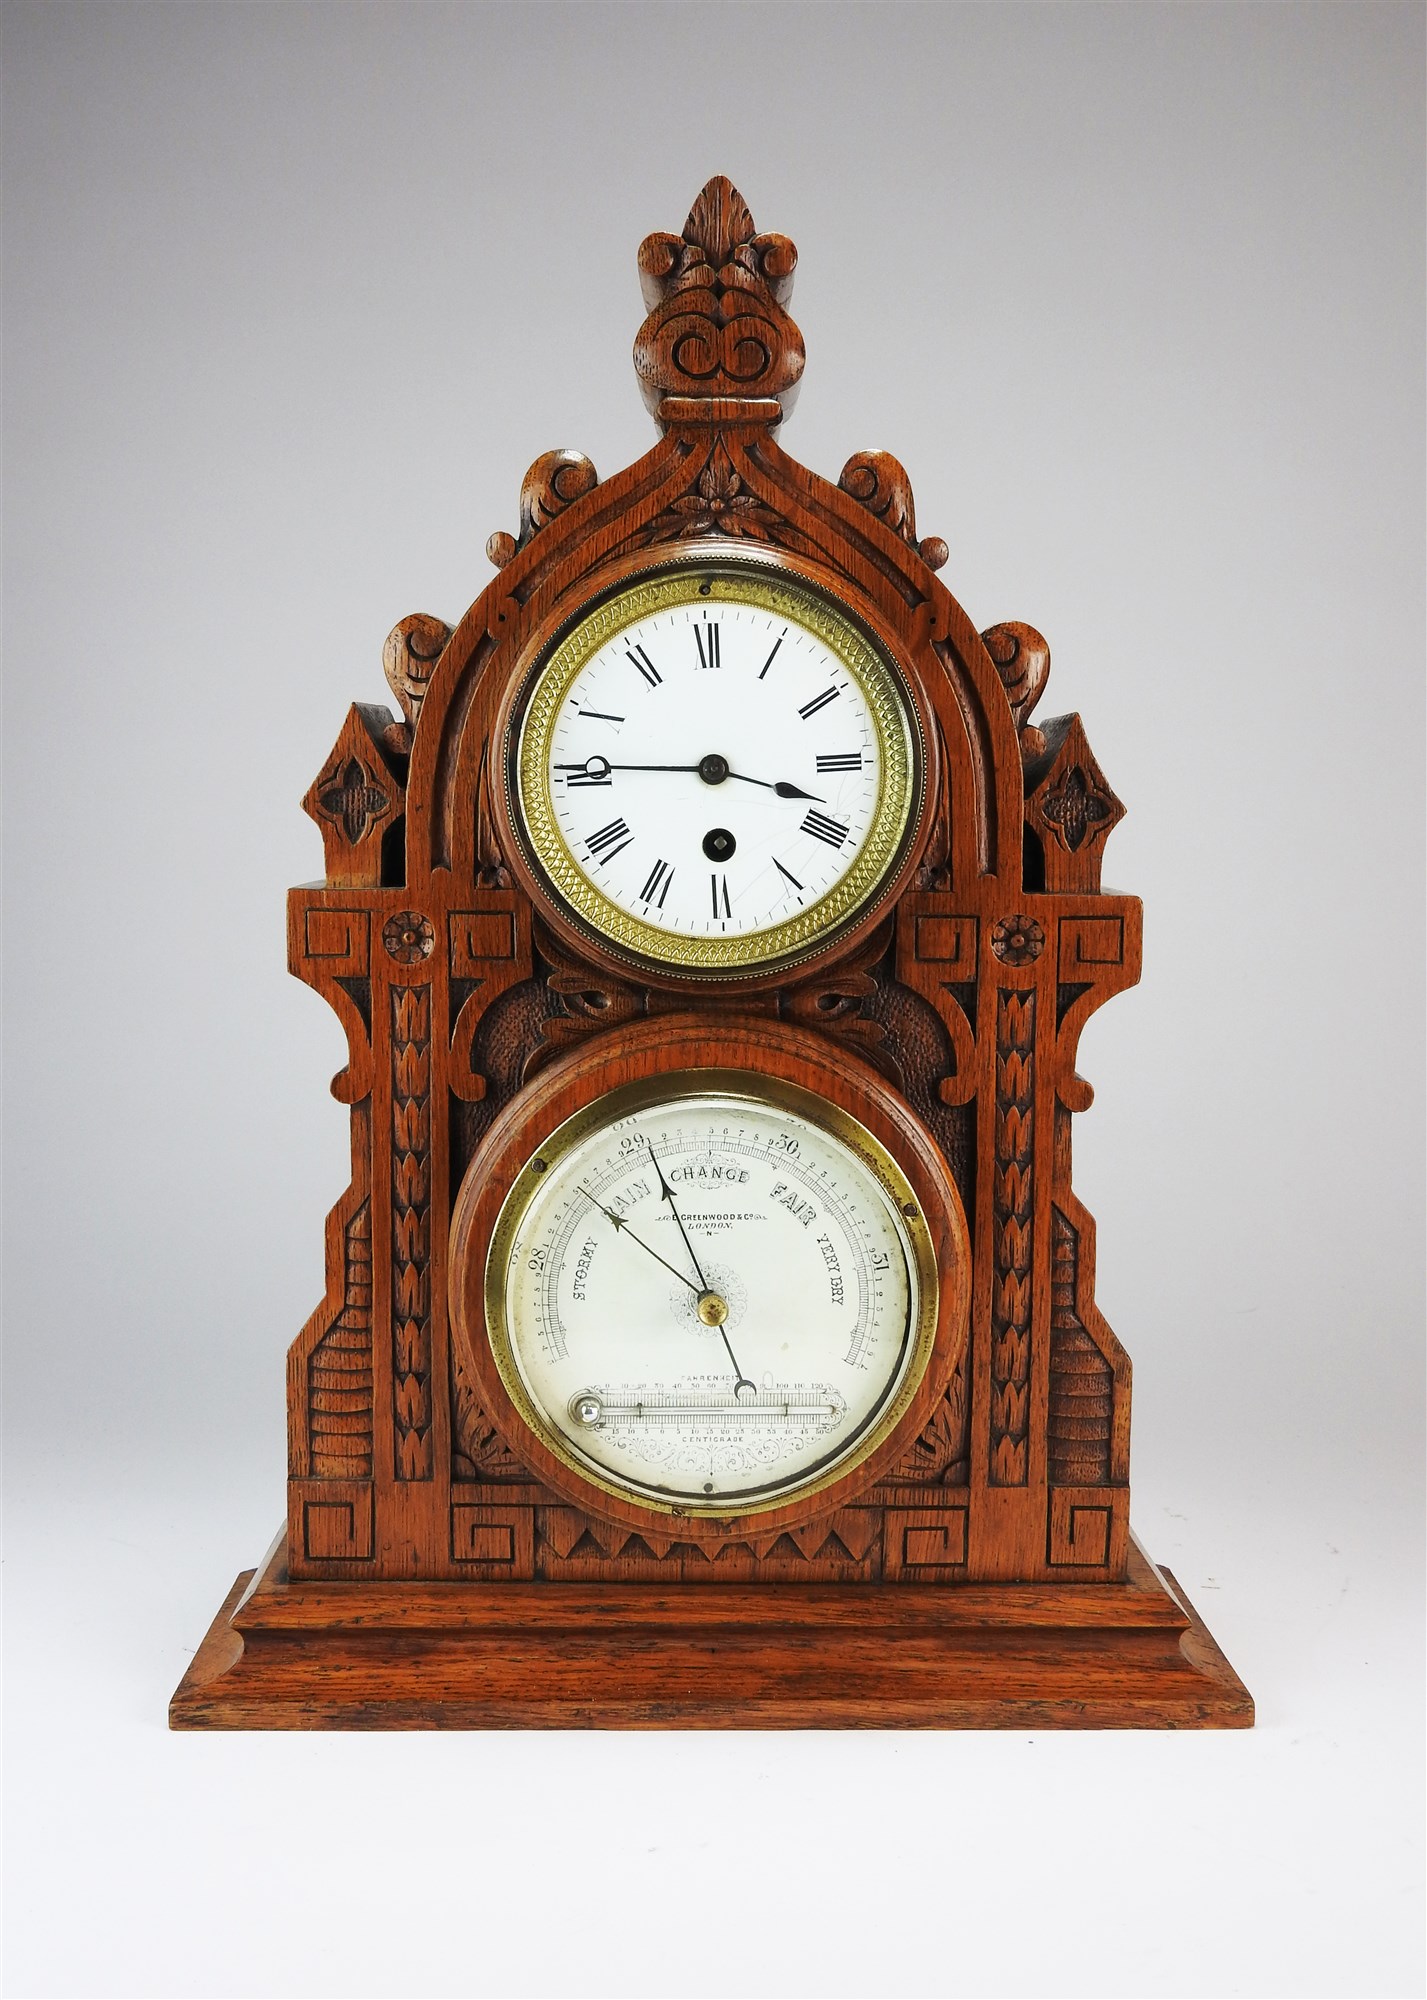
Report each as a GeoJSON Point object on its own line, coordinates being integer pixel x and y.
{"type": "Point", "coordinates": [439, 1568]}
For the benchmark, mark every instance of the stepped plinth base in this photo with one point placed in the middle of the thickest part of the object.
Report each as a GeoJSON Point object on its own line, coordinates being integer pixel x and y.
{"type": "Point", "coordinates": [283, 1655]}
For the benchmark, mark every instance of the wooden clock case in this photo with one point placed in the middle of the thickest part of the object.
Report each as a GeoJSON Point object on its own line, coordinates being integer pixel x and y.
{"type": "Point", "coordinates": [437, 1568]}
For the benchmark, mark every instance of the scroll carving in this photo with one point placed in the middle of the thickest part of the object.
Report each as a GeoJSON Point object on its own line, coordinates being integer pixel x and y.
{"type": "Point", "coordinates": [716, 325]}
{"type": "Point", "coordinates": [479, 1450]}
{"type": "Point", "coordinates": [1022, 659]}
{"type": "Point", "coordinates": [409, 659]}
{"type": "Point", "coordinates": [836, 1001]}
{"type": "Point", "coordinates": [880, 482]}
{"type": "Point", "coordinates": [940, 1456]}
{"type": "Point", "coordinates": [555, 481]}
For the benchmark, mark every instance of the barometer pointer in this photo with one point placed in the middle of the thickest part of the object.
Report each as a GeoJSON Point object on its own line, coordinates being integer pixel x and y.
{"type": "Point", "coordinates": [740, 1381]}
{"type": "Point", "coordinates": [620, 1223]}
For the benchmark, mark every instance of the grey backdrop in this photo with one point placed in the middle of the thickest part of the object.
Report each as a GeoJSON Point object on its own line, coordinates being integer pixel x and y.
{"type": "Point", "coordinates": [295, 293]}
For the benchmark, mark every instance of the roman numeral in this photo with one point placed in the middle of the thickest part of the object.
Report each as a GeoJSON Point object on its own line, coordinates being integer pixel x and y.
{"type": "Point", "coordinates": [718, 887]}
{"type": "Point", "coordinates": [581, 774]}
{"type": "Point", "coordinates": [819, 701]}
{"type": "Point", "coordinates": [598, 715]}
{"type": "Point", "coordinates": [637, 657]}
{"type": "Point", "coordinates": [822, 828]}
{"type": "Point", "coordinates": [787, 873]}
{"type": "Point", "coordinates": [706, 639]}
{"type": "Point", "coordinates": [602, 844]}
{"type": "Point", "coordinates": [660, 872]}
{"type": "Point", "coordinates": [773, 655]}
{"type": "Point", "coordinates": [852, 761]}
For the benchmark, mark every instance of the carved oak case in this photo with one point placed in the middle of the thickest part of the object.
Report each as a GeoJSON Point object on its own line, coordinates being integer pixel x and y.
{"type": "Point", "coordinates": [482, 1009]}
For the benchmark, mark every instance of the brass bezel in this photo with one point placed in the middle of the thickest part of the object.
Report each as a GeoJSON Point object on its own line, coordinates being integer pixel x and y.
{"type": "Point", "coordinates": [745, 1086]}
{"type": "Point", "coordinates": [728, 578]}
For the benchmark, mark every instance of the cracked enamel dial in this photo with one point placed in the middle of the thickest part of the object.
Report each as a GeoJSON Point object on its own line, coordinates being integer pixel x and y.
{"type": "Point", "coordinates": [717, 767]}
{"type": "Point", "coordinates": [711, 1301]}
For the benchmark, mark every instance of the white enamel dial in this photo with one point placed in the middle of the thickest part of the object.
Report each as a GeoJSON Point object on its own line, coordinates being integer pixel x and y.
{"type": "Point", "coordinates": [710, 1301]}
{"type": "Point", "coordinates": [717, 769]}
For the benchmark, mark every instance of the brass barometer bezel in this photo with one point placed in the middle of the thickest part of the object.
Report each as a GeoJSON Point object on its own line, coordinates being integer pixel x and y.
{"type": "Point", "coordinates": [735, 1087]}
{"type": "Point", "coordinates": [642, 1064]}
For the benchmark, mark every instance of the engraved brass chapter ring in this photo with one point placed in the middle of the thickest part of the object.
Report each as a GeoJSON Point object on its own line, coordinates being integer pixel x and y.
{"type": "Point", "coordinates": [716, 769]}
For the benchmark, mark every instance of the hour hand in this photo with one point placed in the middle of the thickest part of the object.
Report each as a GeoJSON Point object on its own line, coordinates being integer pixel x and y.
{"type": "Point", "coordinates": [782, 788]}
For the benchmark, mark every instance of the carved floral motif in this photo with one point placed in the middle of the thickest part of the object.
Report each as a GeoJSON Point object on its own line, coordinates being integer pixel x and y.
{"type": "Point", "coordinates": [720, 504]}
{"type": "Point", "coordinates": [1017, 940]}
{"type": "Point", "coordinates": [408, 937]}
{"type": "Point", "coordinates": [1073, 807]}
{"type": "Point", "coordinates": [353, 800]}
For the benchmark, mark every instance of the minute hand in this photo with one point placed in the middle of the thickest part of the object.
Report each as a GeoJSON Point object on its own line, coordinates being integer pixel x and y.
{"type": "Point", "coordinates": [598, 768]}
{"type": "Point", "coordinates": [781, 786]}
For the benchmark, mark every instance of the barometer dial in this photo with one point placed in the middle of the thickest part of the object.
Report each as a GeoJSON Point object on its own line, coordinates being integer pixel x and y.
{"type": "Point", "coordinates": [712, 1301]}
{"type": "Point", "coordinates": [716, 767]}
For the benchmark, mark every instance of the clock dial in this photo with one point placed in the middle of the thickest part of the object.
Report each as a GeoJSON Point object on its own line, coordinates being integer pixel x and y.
{"type": "Point", "coordinates": [711, 1301]}
{"type": "Point", "coordinates": [717, 767]}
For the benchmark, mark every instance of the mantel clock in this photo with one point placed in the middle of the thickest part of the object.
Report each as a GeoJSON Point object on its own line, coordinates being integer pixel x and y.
{"type": "Point", "coordinates": [710, 1333]}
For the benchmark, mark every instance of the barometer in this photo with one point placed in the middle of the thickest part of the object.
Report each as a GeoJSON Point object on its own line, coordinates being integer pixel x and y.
{"type": "Point", "coordinates": [711, 1298]}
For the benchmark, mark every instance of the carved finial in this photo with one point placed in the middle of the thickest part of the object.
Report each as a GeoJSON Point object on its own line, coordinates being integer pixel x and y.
{"type": "Point", "coordinates": [555, 480]}
{"type": "Point", "coordinates": [716, 330]}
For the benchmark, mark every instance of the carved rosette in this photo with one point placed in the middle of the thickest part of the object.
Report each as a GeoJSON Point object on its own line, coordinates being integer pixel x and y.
{"type": "Point", "coordinates": [716, 326]}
